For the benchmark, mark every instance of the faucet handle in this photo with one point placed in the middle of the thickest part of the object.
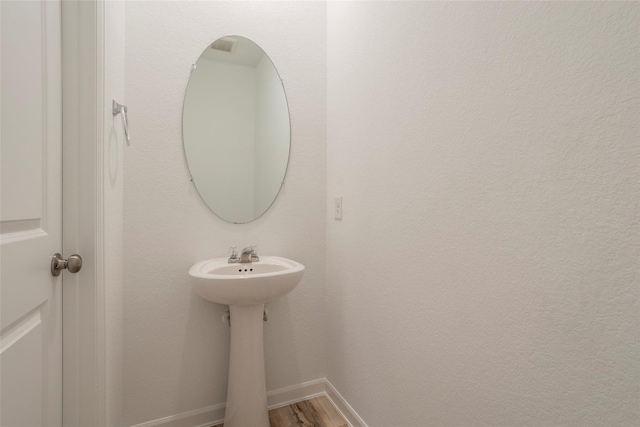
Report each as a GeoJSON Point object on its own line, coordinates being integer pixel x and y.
{"type": "Point", "coordinates": [234, 255]}
{"type": "Point", "coordinates": [254, 254]}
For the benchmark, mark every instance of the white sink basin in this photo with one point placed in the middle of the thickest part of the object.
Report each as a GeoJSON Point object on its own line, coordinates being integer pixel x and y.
{"type": "Point", "coordinates": [245, 283]}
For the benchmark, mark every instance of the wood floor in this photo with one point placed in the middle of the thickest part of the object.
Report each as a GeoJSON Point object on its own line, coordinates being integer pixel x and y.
{"type": "Point", "coordinates": [316, 412]}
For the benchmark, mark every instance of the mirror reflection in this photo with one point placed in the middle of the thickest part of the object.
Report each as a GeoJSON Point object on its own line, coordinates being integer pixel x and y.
{"type": "Point", "coordinates": [235, 129]}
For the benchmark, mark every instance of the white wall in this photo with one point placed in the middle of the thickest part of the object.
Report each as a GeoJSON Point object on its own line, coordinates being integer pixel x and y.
{"type": "Point", "coordinates": [175, 344]}
{"type": "Point", "coordinates": [485, 271]}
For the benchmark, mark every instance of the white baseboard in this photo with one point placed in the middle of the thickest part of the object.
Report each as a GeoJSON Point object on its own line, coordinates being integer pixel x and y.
{"type": "Point", "coordinates": [343, 406]}
{"type": "Point", "coordinates": [295, 393]}
{"type": "Point", "coordinates": [212, 415]}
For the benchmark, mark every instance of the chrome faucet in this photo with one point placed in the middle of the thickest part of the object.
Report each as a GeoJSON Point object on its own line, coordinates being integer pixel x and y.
{"type": "Point", "coordinates": [248, 254]}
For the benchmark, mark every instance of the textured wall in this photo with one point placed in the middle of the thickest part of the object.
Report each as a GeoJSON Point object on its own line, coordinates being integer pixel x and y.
{"type": "Point", "coordinates": [485, 271]}
{"type": "Point", "coordinates": [175, 345]}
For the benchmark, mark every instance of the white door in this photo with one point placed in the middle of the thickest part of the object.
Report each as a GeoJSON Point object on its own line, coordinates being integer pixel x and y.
{"type": "Point", "coordinates": [30, 214]}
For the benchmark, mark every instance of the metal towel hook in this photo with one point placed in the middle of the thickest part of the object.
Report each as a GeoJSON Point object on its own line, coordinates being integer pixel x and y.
{"type": "Point", "coordinates": [117, 109]}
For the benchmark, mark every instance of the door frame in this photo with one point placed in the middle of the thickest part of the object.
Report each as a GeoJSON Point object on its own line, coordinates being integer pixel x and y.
{"type": "Point", "coordinates": [84, 338]}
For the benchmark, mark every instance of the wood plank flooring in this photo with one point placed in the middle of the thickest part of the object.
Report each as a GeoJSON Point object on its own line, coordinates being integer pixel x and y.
{"type": "Point", "coordinates": [316, 412]}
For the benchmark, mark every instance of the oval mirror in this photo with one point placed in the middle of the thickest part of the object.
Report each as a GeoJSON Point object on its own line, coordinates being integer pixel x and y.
{"type": "Point", "coordinates": [235, 129]}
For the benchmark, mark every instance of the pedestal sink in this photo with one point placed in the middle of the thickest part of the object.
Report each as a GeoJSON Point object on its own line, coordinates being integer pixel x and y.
{"type": "Point", "coordinates": [245, 287]}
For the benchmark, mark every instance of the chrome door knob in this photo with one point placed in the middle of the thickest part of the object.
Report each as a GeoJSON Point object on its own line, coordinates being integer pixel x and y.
{"type": "Point", "coordinates": [73, 264]}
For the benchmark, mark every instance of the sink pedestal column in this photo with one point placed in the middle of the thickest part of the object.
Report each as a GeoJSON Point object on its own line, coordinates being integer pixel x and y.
{"type": "Point", "coordinates": [247, 390]}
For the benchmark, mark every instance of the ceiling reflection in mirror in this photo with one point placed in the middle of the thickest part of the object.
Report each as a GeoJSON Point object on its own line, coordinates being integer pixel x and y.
{"type": "Point", "coordinates": [235, 129]}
